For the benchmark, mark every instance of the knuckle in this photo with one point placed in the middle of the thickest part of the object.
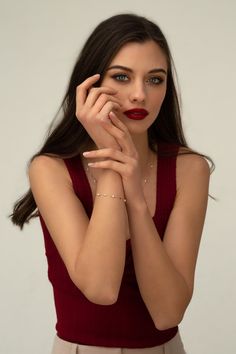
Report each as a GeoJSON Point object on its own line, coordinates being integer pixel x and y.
{"type": "Point", "coordinates": [78, 90]}
{"type": "Point", "coordinates": [77, 113]}
{"type": "Point", "coordinates": [99, 118]}
{"type": "Point", "coordinates": [98, 90]}
{"type": "Point", "coordinates": [103, 97]}
{"type": "Point", "coordinates": [80, 114]}
{"type": "Point", "coordinates": [92, 90]}
{"type": "Point", "coordinates": [109, 105]}
{"type": "Point", "coordinates": [81, 86]}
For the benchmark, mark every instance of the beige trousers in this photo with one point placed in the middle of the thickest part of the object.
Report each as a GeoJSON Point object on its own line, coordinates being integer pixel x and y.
{"type": "Point", "coordinates": [174, 346]}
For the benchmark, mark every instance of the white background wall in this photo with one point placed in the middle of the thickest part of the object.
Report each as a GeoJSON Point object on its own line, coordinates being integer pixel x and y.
{"type": "Point", "coordinates": [39, 43]}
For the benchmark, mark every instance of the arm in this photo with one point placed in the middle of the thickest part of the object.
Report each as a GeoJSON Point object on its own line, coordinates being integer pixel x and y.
{"type": "Point", "coordinates": [100, 263]}
{"type": "Point", "coordinates": [164, 270]}
{"type": "Point", "coordinates": [93, 250]}
{"type": "Point", "coordinates": [166, 275]}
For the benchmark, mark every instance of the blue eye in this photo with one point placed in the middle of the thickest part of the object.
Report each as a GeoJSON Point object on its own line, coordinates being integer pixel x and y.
{"type": "Point", "coordinates": [155, 80]}
{"type": "Point", "coordinates": [120, 77]}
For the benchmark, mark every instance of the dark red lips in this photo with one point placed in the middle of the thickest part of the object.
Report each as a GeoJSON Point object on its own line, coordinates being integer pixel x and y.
{"type": "Point", "coordinates": [136, 113]}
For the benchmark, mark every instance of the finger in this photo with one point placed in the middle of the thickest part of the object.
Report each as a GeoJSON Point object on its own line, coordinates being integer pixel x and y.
{"type": "Point", "coordinates": [121, 133]}
{"type": "Point", "coordinates": [106, 110]}
{"type": "Point", "coordinates": [113, 154]}
{"type": "Point", "coordinates": [118, 123]}
{"type": "Point", "coordinates": [96, 92]}
{"type": "Point", "coordinates": [109, 164]}
{"type": "Point", "coordinates": [103, 99]}
{"type": "Point", "coordinates": [125, 136]}
{"type": "Point", "coordinates": [81, 90]}
{"type": "Point", "coordinates": [103, 115]}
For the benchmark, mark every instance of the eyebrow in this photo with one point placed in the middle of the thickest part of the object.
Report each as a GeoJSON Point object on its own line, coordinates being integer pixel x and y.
{"type": "Point", "coordinates": [155, 70]}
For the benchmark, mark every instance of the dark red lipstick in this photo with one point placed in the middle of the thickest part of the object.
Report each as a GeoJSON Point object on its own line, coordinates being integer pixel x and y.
{"type": "Point", "coordinates": [136, 113]}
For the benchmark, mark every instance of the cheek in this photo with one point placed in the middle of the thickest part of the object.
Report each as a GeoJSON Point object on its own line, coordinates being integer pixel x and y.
{"type": "Point", "coordinates": [157, 103]}
{"type": "Point", "coordinates": [158, 99]}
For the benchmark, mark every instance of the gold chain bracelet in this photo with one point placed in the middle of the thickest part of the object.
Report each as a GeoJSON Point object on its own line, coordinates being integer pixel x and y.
{"type": "Point", "coordinates": [111, 196]}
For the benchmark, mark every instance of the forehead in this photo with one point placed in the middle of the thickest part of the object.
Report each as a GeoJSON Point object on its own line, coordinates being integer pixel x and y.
{"type": "Point", "coordinates": [147, 55]}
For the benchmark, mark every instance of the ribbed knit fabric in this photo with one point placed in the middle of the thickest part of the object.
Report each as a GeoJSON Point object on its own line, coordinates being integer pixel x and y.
{"type": "Point", "coordinates": [126, 323]}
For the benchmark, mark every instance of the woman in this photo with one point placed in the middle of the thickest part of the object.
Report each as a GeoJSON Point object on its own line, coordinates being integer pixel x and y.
{"type": "Point", "coordinates": [120, 196]}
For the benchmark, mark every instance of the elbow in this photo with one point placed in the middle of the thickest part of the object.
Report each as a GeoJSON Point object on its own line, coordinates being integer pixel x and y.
{"type": "Point", "coordinates": [93, 286]}
{"type": "Point", "coordinates": [163, 323]}
{"type": "Point", "coordinates": [100, 297]}
{"type": "Point", "coordinates": [99, 294]}
{"type": "Point", "coordinates": [173, 313]}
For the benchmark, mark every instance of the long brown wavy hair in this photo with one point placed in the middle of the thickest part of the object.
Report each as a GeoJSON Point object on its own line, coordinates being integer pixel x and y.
{"type": "Point", "coordinates": [67, 137]}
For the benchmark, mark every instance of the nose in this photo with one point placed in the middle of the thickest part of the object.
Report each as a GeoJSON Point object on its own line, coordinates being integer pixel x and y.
{"type": "Point", "coordinates": [138, 93]}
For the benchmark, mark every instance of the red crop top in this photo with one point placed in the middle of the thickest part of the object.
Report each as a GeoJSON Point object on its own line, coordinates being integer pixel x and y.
{"type": "Point", "coordinates": [126, 323]}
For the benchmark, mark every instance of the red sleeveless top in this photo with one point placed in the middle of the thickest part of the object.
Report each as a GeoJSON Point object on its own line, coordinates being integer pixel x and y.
{"type": "Point", "coordinates": [126, 323]}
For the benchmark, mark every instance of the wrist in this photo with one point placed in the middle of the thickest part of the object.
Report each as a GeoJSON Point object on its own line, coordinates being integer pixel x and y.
{"type": "Point", "coordinates": [110, 182]}
{"type": "Point", "coordinates": [137, 206]}
{"type": "Point", "coordinates": [109, 174]}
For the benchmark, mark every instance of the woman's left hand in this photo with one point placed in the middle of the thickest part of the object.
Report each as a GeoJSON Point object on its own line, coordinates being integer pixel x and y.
{"type": "Point", "coordinates": [125, 162]}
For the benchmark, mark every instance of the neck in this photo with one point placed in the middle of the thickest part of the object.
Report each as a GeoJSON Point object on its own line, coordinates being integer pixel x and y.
{"type": "Point", "coordinates": [142, 147]}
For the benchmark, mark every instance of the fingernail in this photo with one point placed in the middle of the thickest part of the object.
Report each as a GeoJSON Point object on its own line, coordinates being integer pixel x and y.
{"type": "Point", "coordinates": [86, 153]}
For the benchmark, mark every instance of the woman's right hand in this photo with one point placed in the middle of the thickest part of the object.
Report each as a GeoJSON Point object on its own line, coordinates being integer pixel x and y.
{"type": "Point", "coordinates": [93, 105]}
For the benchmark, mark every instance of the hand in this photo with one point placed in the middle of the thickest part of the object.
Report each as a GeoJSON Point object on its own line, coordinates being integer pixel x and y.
{"type": "Point", "coordinates": [93, 105]}
{"type": "Point", "coordinates": [125, 162]}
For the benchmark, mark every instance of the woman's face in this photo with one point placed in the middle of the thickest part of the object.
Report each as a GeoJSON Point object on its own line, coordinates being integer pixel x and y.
{"type": "Point", "coordinates": [139, 74]}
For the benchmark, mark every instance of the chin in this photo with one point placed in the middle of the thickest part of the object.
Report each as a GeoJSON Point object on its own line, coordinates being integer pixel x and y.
{"type": "Point", "coordinates": [138, 127]}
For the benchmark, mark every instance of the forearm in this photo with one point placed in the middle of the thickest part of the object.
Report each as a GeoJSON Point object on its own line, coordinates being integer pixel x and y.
{"type": "Point", "coordinates": [162, 287]}
{"type": "Point", "coordinates": [102, 257]}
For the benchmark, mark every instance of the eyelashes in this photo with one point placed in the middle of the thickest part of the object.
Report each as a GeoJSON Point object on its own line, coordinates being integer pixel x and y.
{"type": "Point", "coordinates": [156, 80]}
{"type": "Point", "coordinates": [120, 77]}
{"type": "Point", "coordinates": [153, 80]}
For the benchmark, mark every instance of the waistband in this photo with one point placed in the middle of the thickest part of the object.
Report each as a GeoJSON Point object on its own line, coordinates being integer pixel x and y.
{"type": "Point", "coordinates": [174, 346]}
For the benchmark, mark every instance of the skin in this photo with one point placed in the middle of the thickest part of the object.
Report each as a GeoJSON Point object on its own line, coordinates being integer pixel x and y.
{"type": "Point", "coordinates": [138, 87]}
{"type": "Point", "coordinates": [94, 250]}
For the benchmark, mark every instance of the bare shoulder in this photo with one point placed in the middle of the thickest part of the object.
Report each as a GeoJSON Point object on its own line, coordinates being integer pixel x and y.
{"type": "Point", "coordinates": [44, 166]}
{"type": "Point", "coordinates": [46, 162]}
{"type": "Point", "coordinates": [191, 168]}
